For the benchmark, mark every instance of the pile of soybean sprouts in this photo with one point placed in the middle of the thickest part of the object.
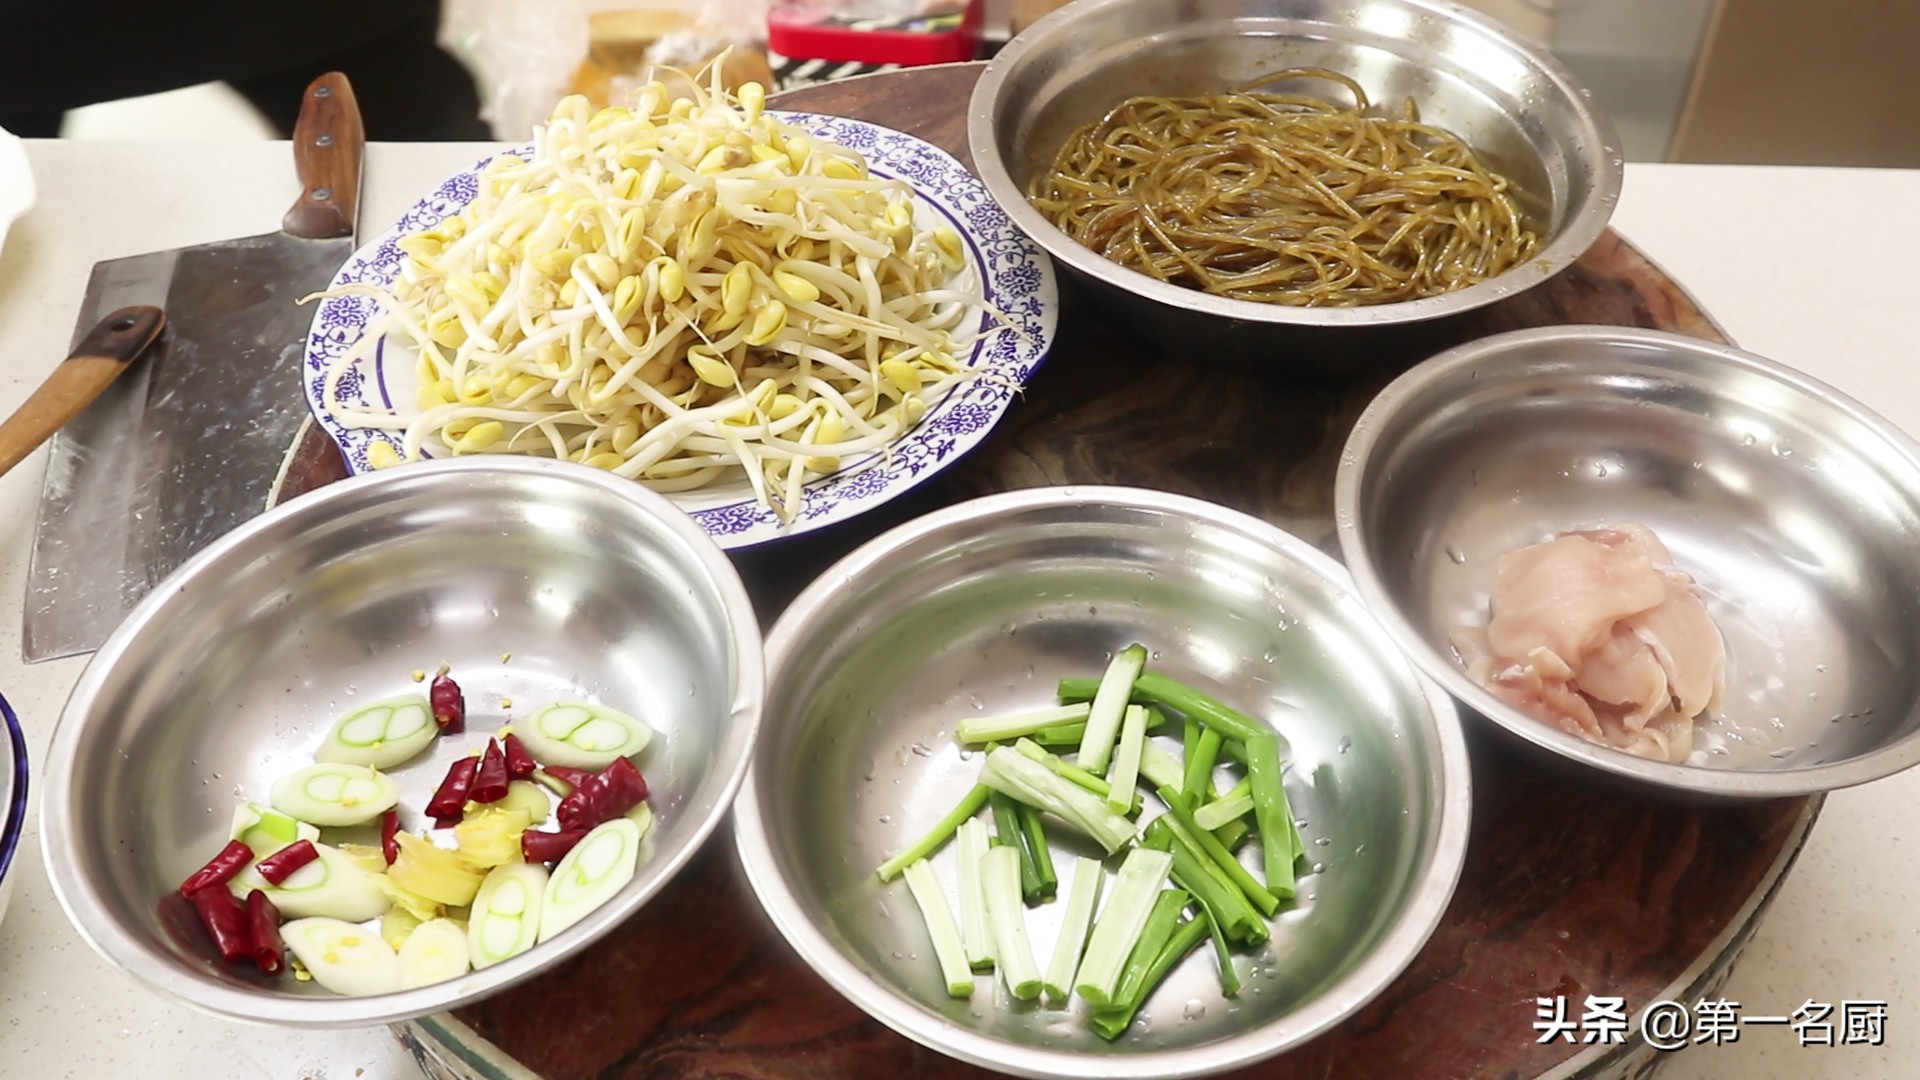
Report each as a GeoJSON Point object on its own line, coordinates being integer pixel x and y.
{"type": "Point", "coordinates": [676, 292]}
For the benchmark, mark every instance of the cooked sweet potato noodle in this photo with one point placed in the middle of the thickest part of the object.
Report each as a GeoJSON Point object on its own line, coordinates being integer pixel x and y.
{"type": "Point", "coordinates": [1284, 198]}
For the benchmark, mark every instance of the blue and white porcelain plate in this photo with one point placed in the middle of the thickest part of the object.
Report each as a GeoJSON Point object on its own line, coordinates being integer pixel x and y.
{"type": "Point", "coordinates": [1016, 276]}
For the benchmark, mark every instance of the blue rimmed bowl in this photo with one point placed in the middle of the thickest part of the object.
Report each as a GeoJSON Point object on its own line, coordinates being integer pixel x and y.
{"type": "Point", "coordinates": [13, 798]}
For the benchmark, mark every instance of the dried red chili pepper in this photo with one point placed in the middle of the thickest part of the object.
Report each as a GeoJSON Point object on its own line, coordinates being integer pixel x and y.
{"type": "Point", "coordinates": [450, 801]}
{"type": "Point", "coordinates": [225, 921]}
{"type": "Point", "coordinates": [603, 796]}
{"type": "Point", "coordinates": [520, 764]}
{"type": "Point", "coordinates": [280, 865]}
{"type": "Point", "coordinates": [570, 776]}
{"type": "Point", "coordinates": [263, 928]}
{"type": "Point", "coordinates": [220, 869]}
{"type": "Point", "coordinates": [490, 779]}
{"type": "Point", "coordinates": [449, 705]}
{"type": "Point", "coordinates": [389, 832]}
{"type": "Point", "coordinates": [547, 847]}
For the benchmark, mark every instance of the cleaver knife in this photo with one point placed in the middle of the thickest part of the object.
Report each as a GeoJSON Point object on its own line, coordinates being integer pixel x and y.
{"type": "Point", "coordinates": [188, 443]}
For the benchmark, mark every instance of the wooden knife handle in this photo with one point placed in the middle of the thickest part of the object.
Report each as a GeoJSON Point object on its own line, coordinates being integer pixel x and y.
{"type": "Point", "coordinates": [328, 142]}
{"type": "Point", "coordinates": [107, 350]}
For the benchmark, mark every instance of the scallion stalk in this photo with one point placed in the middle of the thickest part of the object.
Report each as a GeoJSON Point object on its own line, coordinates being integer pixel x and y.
{"type": "Point", "coordinates": [1198, 787]}
{"type": "Point", "coordinates": [976, 730]}
{"type": "Point", "coordinates": [1126, 760]}
{"type": "Point", "coordinates": [1219, 812]}
{"type": "Point", "coordinates": [1187, 829]}
{"type": "Point", "coordinates": [936, 836]}
{"type": "Point", "coordinates": [1000, 873]}
{"type": "Point", "coordinates": [1035, 837]}
{"type": "Point", "coordinates": [1009, 771]}
{"type": "Point", "coordinates": [1007, 833]}
{"type": "Point", "coordinates": [947, 947]}
{"type": "Point", "coordinates": [1067, 770]}
{"type": "Point", "coordinates": [1160, 767]}
{"type": "Point", "coordinates": [1111, 1023]}
{"type": "Point", "coordinates": [1157, 688]}
{"type": "Point", "coordinates": [1271, 815]}
{"type": "Point", "coordinates": [1223, 956]}
{"type": "Point", "coordinates": [976, 930]}
{"type": "Point", "coordinates": [1082, 895]}
{"type": "Point", "coordinates": [1121, 921]}
{"type": "Point", "coordinates": [1109, 702]}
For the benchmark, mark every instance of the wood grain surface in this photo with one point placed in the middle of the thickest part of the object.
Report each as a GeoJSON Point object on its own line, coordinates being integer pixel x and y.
{"type": "Point", "coordinates": [329, 144]}
{"type": "Point", "coordinates": [1566, 890]}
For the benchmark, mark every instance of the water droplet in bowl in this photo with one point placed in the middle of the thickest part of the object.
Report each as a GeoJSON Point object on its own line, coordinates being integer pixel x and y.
{"type": "Point", "coordinates": [1344, 745]}
{"type": "Point", "coordinates": [975, 701]}
{"type": "Point", "coordinates": [1459, 557]}
{"type": "Point", "coordinates": [886, 819]}
{"type": "Point", "coordinates": [1195, 1009]}
{"type": "Point", "coordinates": [1270, 656]}
{"type": "Point", "coordinates": [1748, 440]}
{"type": "Point", "coordinates": [921, 751]}
{"type": "Point", "coordinates": [1783, 752]}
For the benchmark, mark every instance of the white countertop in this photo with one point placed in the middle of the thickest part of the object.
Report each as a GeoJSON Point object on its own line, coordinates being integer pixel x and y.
{"type": "Point", "coordinates": [1813, 267]}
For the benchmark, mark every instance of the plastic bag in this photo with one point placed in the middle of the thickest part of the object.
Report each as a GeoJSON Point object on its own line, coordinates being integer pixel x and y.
{"type": "Point", "coordinates": [528, 54]}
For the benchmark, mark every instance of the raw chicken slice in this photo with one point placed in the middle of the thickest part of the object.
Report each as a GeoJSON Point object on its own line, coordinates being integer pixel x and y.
{"type": "Point", "coordinates": [1599, 634]}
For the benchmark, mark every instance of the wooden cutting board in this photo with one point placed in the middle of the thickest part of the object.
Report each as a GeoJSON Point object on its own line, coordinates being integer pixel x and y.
{"type": "Point", "coordinates": [1565, 891]}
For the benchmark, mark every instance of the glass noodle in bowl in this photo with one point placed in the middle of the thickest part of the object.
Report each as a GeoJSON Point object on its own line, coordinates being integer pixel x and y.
{"type": "Point", "coordinates": [1284, 198]}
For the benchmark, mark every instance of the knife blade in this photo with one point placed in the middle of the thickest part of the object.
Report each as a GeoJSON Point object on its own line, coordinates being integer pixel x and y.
{"type": "Point", "coordinates": [180, 451]}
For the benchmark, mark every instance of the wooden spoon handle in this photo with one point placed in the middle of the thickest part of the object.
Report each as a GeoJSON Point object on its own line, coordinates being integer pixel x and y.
{"type": "Point", "coordinates": [107, 350]}
{"type": "Point", "coordinates": [328, 141]}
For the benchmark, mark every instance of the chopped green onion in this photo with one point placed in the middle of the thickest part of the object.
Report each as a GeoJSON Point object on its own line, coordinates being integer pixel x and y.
{"type": "Point", "coordinates": [977, 931]}
{"type": "Point", "coordinates": [1160, 767]}
{"type": "Point", "coordinates": [1189, 737]}
{"type": "Point", "coordinates": [1000, 873]}
{"type": "Point", "coordinates": [939, 919]}
{"type": "Point", "coordinates": [1064, 735]}
{"type": "Point", "coordinates": [1199, 779]}
{"type": "Point", "coordinates": [1233, 833]}
{"type": "Point", "coordinates": [1111, 1023]}
{"type": "Point", "coordinates": [334, 794]}
{"type": "Point", "coordinates": [1218, 813]}
{"type": "Point", "coordinates": [1153, 937]}
{"type": "Point", "coordinates": [1072, 691]}
{"type": "Point", "coordinates": [1121, 921]}
{"type": "Point", "coordinates": [589, 875]}
{"type": "Point", "coordinates": [936, 836]}
{"type": "Point", "coordinates": [1157, 688]}
{"type": "Point", "coordinates": [505, 919]}
{"type": "Point", "coordinates": [1030, 782]}
{"type": "Point", "coordinates": [1035, 836]}
{"type": "Point", "coordinates": [1103, 717]}
{"type": "Point", "coordinates": [985, 729]}
{"type": "Point", "coordinates": [1196, 873]}
{"type": "Point", "coordinates": [1061, 767]}
{"type": "Point", "coordinates": [1201, 840]}
{"type": "Point", "coordinates": [1126, 760]}
{"type": "Point", "coordinates": [1007, 833]}
{"type": "Point", "coordinates": [265, 830]}
{"type": "Point", "coordinates": [1082, 895]}
{"type": "Point", "coordinates": [1229, 978]}
{"type": "Point", "coordinates": [582, 735]}
{"type": "Point", "coordinates": [1270, 813]}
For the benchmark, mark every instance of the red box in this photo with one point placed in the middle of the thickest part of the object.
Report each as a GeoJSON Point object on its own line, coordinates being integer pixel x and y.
{"type": "Point", "coordinates": [943, 38]}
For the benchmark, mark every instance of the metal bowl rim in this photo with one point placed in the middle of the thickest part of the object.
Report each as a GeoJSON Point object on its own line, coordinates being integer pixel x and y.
{"type": "Point", "coordinates": [1433, 891]}
{"type": "Point", "coordinates": [1350, 524]}
{"type": "Point", "coordinates": [1579, 233]}
{"type": "Point", "coordinates": [80, 899]}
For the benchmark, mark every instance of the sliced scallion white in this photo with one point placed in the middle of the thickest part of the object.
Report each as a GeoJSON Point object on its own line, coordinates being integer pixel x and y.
{"type": "Point", "coordinates": [1000, 876]}
{"type": "Point", "coordinates": [1131, 900]}
{"type": "Point", "coordinates": [380, 735]}
{"type": "Point", "coordinates": [947, 947]}
{"type": "Point", "coordinates": [973, 731]}
{"type": "Point", "coordinates": [1126, 760]}
{"type": "Point", "coordinates": [1022, 778]}
{"type": "Point", "coordinates": [580, 735]}
{"type": "Point", "coordinates": [335, 794]}
{"type": "Point", "coordinates": [1109, 702]}
{"type": "Point", "coordinates": [331, 886]}
{"type": "Point", "coordinates": [506, 913]}
{"type": "Point", "coordinates": [1082, 896]}
{"type": "Point", "coordinates": [975, 929]}
{"type": "Point", "coordinates": [265, 830]}
{"type": "Point", "coordinates": [342, 957]}
{"type": "Point", "coordinates": [599, 866]}
{"type": "Point", "coordinates": [435, 952]}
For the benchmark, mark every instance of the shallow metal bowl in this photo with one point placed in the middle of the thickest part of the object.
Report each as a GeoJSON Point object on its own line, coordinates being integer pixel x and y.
{"type": "Point", "coordinates": [13, 796]}
{"type": "Point", "coordinates": [980, 608]}
{"type": "Point", "coordinates": [1509, 99]}
{"type": "Point", "coordinates": [533, 579]}
{"type": "Point", "coordinates": [1792, 505]}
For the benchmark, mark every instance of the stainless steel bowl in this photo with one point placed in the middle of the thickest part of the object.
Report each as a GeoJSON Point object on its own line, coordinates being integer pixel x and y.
{"type": "Point", "coordinates": [1793, 506]}
{"type": "Point", "coordinates": [13, 796]}
{"type": "Point", "coordinates": [981, 608]}
{"type": "Point", "coordinates": [533, 579]}
{"type": "Point", "coordinates": [1510, 99]}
